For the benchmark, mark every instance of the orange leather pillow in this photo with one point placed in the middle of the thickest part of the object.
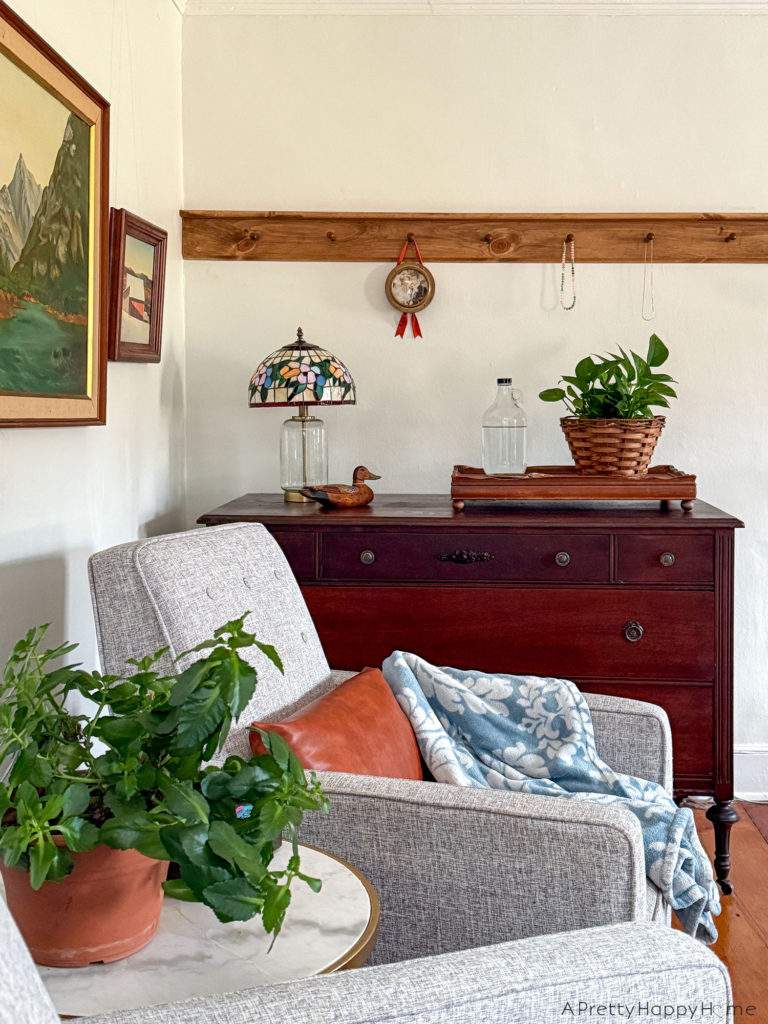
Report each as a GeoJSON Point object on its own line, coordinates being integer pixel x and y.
{"type": "Point", "coordinates": [357, 728]}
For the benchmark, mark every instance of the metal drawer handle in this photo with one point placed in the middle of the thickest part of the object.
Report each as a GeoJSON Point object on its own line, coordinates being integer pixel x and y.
{"type": "Point", "coordinates": [461, 557]}
{"type": "Point", "coordinates": [562, 558]}
{"type": "Point", "coordinates": [667, 558]}
{"type": "Point", "coordinates": [633, 632]}
{"type": "Point", "coordinates": [367, 557]}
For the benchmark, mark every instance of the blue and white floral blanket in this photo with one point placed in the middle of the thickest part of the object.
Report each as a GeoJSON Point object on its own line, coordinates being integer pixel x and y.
{"type": "Point", "coordinates": [534, 735]}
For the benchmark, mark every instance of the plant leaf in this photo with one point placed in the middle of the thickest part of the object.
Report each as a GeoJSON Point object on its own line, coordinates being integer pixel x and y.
{"type": "Point", "coordinates": [658, 352]}
{"type": "Point", "coordinates": [226, 843]}
{"type": "Point", "coordinates": [233, 900]}
{"type": "Point", "coordinates": [552, 395]}
{"type": "Point", "coordinates": [275, 906]}
{"type": "Point", "coordinates": [41, 856]}
{"type": "Point", "coordinates": [271, 653]}
{"type": "Point", "coordinates": [80, 835]}
{"type": "Point", "coordinates": [134, 832]}
{"type": "Point", "coordinates": [183, 800]}
{"type": "Point", "coordinates": [586, 369]}
{"type": "Point", "coordinates": [178, 889]}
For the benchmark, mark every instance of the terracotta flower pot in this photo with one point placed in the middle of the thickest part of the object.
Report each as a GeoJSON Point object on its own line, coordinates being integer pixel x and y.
{"type": "Point", "coordinates": [106, 909]}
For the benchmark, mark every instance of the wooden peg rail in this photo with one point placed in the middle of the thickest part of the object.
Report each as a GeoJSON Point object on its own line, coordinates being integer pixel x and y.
{"type": "Point", "coordinates": [475, 237]}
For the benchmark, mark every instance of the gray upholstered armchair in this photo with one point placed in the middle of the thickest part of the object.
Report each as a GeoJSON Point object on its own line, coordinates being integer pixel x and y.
{"type": "Point", "coordinates": [454, 868]}
{"type": "Point", "coordinates": [511, 983]}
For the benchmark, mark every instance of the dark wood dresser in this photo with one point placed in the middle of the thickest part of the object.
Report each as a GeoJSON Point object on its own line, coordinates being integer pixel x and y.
{"type": "Point", "coordinates": [634, 601]}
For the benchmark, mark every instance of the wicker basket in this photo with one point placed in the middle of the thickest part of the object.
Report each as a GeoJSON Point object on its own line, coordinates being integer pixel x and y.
{"type": "Point", "coordinates": [612, 447]}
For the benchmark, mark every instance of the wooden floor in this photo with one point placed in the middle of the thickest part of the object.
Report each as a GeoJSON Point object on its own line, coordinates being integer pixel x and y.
{"type": "Point", "coordinates": [743, 923]}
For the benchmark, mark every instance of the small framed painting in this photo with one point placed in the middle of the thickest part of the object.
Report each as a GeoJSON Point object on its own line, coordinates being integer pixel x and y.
{"type": "Point", "coordinates": [54, 209]}
{"type": "Point", "coordinates": [137, 282]}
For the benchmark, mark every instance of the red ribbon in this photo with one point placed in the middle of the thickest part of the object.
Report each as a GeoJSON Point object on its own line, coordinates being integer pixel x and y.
{"type": "Point", "coordinates": [408, 241]}
{"type": "Point", "coordinates": [403, 323]}
{"type": "Point", "coordinates": [400, 332]}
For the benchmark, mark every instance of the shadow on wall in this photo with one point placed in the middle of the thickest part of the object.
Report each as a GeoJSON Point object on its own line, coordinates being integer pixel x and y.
{"type": "Point", "coordinates": [32, 592]}
{"type": "Point", "coordinates": [169, 522]}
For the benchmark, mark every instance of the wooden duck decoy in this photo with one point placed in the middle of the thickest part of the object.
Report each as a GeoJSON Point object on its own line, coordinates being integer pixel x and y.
{"type": "Point", "coordinates": [344, 495]}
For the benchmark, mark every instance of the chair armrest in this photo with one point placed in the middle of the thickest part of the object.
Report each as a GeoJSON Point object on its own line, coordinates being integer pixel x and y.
{"type": "Point", "coordinates": [338, 675]}
{"type": "Point", "coordinates": [633, 737]}
{"type": "Point", "coordinates": [626, 965]}
{"type": "Point", "coordinates": [456, 867]}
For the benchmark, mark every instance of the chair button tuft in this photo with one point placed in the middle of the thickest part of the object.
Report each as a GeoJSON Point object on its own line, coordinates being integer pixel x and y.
{"type": "Point", "coordinates": [305, 638]}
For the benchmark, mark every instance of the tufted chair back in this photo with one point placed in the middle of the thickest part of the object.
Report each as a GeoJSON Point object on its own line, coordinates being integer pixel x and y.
{"type": "Point", "coordinates": [23, 998]}
{"type": "Point", "coordinates": [173, 591]}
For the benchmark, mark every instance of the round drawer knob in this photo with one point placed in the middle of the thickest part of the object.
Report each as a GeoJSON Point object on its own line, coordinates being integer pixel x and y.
{"type": "Point", "coordinates": [667, 558]}
{"type": "Point", "coordinates": [562, 558]}
{"type": "Point", "coordinates": [367, 557]}
{"type": "Point", "coordinates": [633, 631]}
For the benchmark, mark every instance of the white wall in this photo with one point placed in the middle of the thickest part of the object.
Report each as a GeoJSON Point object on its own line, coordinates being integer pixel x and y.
{"type": "Point", "coordinates": [482, 113]}
{"type": "Point", "coordinates": [67, 492]}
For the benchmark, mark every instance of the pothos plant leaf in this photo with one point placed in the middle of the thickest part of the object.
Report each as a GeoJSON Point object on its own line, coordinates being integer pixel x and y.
{"type": "Point", "coordinates": [617, 386]}
{"type": "Point", "coordinates": [133, 774]}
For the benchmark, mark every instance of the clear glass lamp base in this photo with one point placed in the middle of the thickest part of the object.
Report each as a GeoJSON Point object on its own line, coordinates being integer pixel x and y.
{"type": "Point", "coordinates": [303, 456]}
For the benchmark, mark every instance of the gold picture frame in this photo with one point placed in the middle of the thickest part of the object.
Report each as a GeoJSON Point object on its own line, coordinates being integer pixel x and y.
{"type": "Point", "coordinates": [410, 286]}
{"type": "Point", "coordinates": [54, 246]}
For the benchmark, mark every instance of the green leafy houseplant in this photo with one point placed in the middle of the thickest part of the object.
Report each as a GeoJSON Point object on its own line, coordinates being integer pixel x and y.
{"type": "Point", "coordinates": [616, 386]}
{"type": "Point", "coordinates": [132, 776]}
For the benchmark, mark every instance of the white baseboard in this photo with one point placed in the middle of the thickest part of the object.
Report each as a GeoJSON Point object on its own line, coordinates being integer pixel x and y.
{"type": "Point", "coordinates": [750, 769]}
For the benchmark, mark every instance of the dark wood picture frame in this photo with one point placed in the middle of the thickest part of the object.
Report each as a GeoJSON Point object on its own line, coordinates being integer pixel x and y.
{"type": "Point", "coordinates": [24, 48]}
{"type": "Point", "coordinates": [123, 223]}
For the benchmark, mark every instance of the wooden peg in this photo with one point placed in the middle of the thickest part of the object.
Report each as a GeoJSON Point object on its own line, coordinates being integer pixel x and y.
{"type": "Point", "coordinates": [731, 237]}
{"type": "Point", "coordinates": [570, 238]}
{"type": "Point", "coordinates": [650, 236]}
{"type": "Point", "coordinates": [331, 236]}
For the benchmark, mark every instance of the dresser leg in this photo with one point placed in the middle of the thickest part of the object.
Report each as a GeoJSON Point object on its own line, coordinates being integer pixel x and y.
{"type": "Point", "coordinates": [722, 815]}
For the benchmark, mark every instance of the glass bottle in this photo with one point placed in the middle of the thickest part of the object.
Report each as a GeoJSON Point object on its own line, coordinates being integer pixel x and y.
{"type": "Point", "coordinates": [504, 432]}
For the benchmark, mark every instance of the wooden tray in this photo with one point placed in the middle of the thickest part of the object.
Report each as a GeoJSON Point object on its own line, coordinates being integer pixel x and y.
{"type": "Point", "coordinates": [566, 483]}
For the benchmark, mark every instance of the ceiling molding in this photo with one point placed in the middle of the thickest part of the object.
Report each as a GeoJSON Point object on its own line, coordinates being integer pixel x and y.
{"type": "Point", "coordinates": [469, 7]}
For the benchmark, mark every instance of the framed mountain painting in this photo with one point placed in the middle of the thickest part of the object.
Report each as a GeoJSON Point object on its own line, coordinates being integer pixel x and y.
{"type": "Point", "coordinates": [54, 209]}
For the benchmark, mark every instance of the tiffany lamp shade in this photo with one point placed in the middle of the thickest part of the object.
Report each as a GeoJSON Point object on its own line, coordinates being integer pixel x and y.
{"type": "Point", "coordinates": [300, 375]}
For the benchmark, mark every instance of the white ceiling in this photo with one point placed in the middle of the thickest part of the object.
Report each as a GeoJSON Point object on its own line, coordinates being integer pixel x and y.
{"type": "Point", "coordinates": [469, 7]}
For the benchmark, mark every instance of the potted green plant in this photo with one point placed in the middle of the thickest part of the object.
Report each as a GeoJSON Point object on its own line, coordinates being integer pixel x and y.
{"type": "Point", "coordinates": [611, 428]}
{"type": "Point", "coordinates": [94, 806]}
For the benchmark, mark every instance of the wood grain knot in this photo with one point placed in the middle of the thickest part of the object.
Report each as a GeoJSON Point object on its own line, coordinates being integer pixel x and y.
{"type": "Point", "coordinates": [500, 245]}
{"type": "Point", "coordinates": [246, 243]}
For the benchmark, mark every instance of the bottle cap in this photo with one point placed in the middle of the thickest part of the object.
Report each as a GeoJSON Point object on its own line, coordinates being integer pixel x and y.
{"type": "Point", "coordinates": [503, 380]}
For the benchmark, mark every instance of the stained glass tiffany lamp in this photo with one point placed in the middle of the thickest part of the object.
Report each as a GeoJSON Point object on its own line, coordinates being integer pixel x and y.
{"type": "Point", "coordinates": [300, 375]}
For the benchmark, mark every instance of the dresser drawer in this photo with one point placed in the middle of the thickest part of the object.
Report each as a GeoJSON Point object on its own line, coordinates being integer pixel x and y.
{"type": "Point", "coordinates": [691, 718]}
{"type": "Point", "coordinates": [381, 555]}
{"type": "Point", "coordinates": [579, 634]}
{"type": "Point", "coordinates": [656, 558]}
{"type": "Point", "coordinates": [299, 549]}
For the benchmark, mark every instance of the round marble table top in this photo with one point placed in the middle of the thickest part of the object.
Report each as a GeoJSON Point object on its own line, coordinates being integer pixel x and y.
{"type": "Point", "coordinates": [194, 954]}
